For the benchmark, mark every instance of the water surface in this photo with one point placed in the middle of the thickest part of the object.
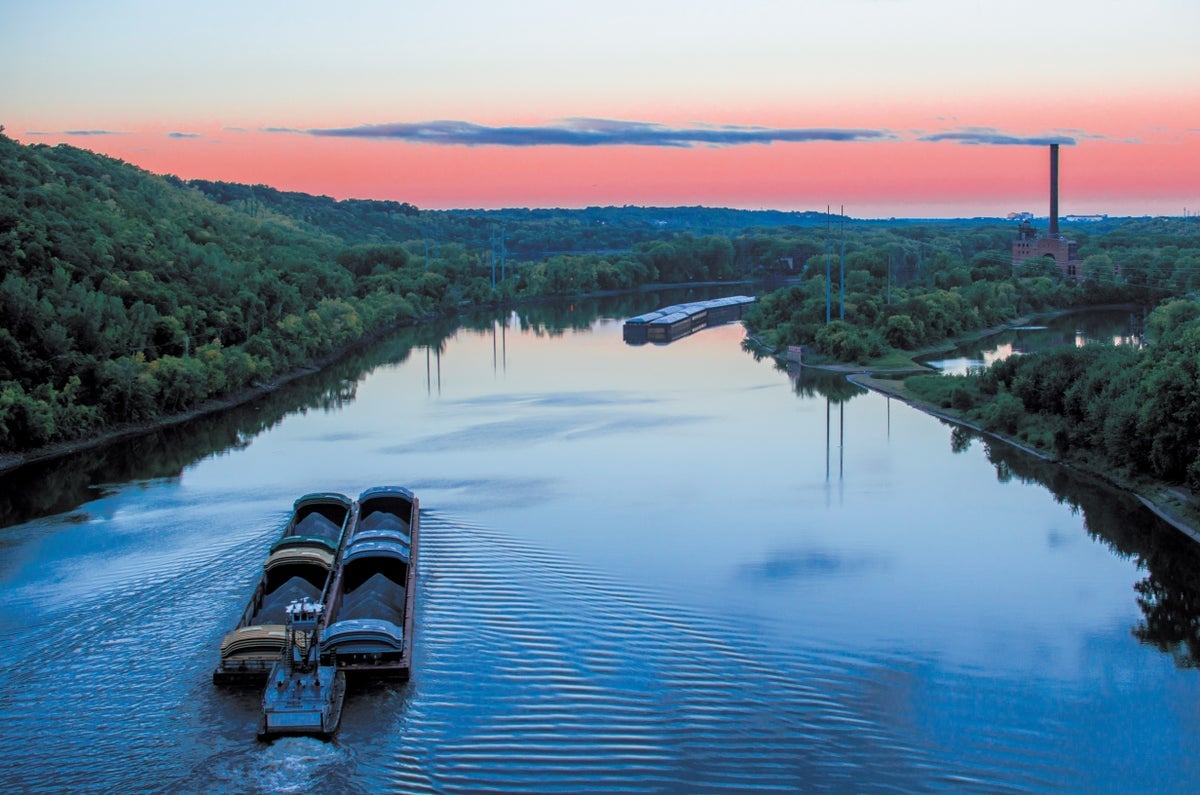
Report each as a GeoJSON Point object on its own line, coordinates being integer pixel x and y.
{"type": "Point", "coordinates": [1075, 329]}
{"type": "Point", "coordinates": [649, 569]}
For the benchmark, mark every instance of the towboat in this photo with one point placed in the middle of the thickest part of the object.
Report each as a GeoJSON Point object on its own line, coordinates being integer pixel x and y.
{"type": "Point", "coordinates": [368, 626]}
{"type": "Point", "coordinates": [302, 696]}
{"type": "Point", "coordinates": [298, 568]}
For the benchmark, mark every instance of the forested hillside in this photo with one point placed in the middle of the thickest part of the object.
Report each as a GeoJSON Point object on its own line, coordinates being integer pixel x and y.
{"type": "Point", "coordinates": [126, 296]}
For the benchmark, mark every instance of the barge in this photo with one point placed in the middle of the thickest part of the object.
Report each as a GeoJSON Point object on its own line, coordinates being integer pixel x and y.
{"type": "Point", "coordinates": [299, 567]}
{"type": "Point", "coordinates": [368, 627]}
{"type": "Point", "coordinates": [336, 597]}
{"type": "Point", "coordinates": [673, 322]}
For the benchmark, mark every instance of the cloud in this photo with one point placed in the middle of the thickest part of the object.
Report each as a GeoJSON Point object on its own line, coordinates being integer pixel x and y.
{"type": "Point", "coordinates": [988, 136]}
{"type": "Point", "coordinates": [75, 132]}
{"type": "Point", "coordinates": [798, 564]}
{"type": "Point", "coordinates": [93, 132]}
{"type": "Point", "coordinates": [184, 135]}
{"type": "Point", "coordinates": [591, 132]}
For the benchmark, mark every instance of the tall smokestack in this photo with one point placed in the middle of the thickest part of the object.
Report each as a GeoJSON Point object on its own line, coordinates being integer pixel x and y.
{"type": "Point", "coordinates": [1053, 190]}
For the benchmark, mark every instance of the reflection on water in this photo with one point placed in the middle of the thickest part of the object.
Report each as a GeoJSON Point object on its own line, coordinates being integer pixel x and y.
{"type": "Point", "coordinates": [647, 569]}
{"type": "Point", "coordinates": [1169, 593]}
{"type": "Point", "coordinates": [1105, 326]}
{"type": "Point", "coordinates": [60, 484]}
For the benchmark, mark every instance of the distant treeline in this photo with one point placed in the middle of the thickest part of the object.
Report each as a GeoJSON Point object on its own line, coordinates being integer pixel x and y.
{"type": "Point", "coordinates": [910, 286]}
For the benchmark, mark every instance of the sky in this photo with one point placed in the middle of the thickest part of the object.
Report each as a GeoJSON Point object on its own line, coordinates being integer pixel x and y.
{"type": "Point", "coordinates": [890, 108]}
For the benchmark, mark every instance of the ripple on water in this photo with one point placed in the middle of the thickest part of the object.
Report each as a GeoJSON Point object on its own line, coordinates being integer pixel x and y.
{"type": "Point", "coordinates": [531, 674]}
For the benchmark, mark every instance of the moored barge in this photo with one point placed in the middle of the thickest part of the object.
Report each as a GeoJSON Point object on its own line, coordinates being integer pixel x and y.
{"type": "Point", "coordinates": [679, 320]}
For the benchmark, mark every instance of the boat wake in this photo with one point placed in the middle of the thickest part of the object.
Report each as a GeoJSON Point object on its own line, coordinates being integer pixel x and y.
{"type": "Point", "coordinates": [530, 674]}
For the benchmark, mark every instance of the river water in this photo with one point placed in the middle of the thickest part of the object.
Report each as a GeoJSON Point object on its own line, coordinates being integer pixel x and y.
{"type": "Point", "coordinates": [643, 569]}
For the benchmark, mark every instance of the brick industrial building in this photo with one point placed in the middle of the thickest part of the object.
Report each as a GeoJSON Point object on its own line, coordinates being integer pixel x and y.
{"type": "Point", "coordinates": [1054, 245]}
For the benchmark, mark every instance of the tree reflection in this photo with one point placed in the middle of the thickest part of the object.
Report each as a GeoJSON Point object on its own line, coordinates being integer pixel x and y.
{"type": "Point", "coordinates": [808, 382]}
{"type": "Point", "coordinates": [1169, 594]}
{"type": "Point", "coordinates": [61, 484]}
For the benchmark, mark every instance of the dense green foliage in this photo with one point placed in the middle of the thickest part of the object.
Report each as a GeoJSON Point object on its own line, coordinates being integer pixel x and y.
{"type": "Point", "coordinates": [1128, 410]}
{"type": "Point", "coordinates": [910, 286]}
{"type": "Point", "coordinates": [125, 297]}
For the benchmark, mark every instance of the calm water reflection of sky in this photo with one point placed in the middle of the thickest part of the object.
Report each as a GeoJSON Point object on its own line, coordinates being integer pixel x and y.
{"type": "Point", "coordinates": [970, 616]}
{"type": "Point", "coordinates": [696, 469]}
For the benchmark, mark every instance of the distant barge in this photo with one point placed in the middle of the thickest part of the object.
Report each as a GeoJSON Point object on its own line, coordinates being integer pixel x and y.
{"type": "Point", "coordinates": [336, 596]}
{"type": "Point", "coordinates": [679, 320]}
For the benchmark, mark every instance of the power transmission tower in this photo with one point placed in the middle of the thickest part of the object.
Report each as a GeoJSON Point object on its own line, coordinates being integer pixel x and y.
{"type": "Point", "coordinates": [498, 252]}
{"type": "Point", "coordinates": [842, 278]}
{"type": "Point", "coordinates": [828, 268]}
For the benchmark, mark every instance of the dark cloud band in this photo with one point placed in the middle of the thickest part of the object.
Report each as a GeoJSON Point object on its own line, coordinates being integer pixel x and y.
{"type": "Point", "coordinates": [987, 137]}
{"type": "Point", "coordinates": [592, 132]}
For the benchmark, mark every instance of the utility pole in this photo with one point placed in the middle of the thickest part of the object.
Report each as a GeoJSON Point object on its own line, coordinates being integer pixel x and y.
{"type": "Point", "coordinates": [891, 259]}
{"type": "Point", "coordinates": [492, 255]}
{"type": "Point", "coordinates": [842, 278]}
{"type": "Point", "coordinates": [498, 252]}
{"type": "Point", "coordinates": [828, 266]}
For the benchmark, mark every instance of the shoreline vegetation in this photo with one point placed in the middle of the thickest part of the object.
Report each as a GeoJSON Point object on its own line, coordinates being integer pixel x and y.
{"type": "Point", "coordinates": [1175, 504]}
{"type": "Point", "coordinates": [15, 460]}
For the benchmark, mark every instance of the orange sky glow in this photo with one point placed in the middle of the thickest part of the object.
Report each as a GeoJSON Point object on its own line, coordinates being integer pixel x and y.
{"type": "Point", "coordinates": [896, 70]}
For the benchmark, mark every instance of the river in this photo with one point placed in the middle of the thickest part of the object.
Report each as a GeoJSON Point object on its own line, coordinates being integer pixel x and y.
{"type": "Point", "coordinates": [643, 569]}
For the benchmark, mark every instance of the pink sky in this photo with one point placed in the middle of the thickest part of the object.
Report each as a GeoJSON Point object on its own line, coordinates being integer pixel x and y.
{"type": "Point", "coordinates": [1120, 84]}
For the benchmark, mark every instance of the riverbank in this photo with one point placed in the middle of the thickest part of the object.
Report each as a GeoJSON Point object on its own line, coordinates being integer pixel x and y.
{"type": "Point", "coordinates": [1173, 504]}
{"type": "Point", "coordinates": [12, 461]}
{"type": "Point", "coordinates": [906, 362]}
